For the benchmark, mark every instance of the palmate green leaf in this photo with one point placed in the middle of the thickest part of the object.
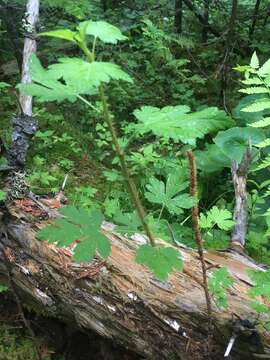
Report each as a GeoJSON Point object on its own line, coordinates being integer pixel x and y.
{"type": "Point", "coordinates": [78, 225]}
{"type": "Point", "coordinates": [219, 217]}
{"type": "Point", "coordinates": [81, 74]}
{"type": "Point", "coordinates": [102, 30]}
{"type": "Point", "coordinates": [261, 286]}
{"type": "Point", "coordinates": [45, 86]}
{"type": "Point", "coordinates": [218, 283]}
{"type": "Point", "coordinates": [233, 142]}
{"type": "Point", "coordinates": [166, 195]}
{"type": "Point", "coordinates": [127, 223]}
{"type": "Point", "coordinates": [160, 260]}
{"type": "Point", "coordinates": [259, 307]}
{"type": "Point", "coordinates": [64, 34]}
{"type": "Point", "coordinates": [177, 123]}
{"type": "Point", "coordinates": [57, 92]}
{"type": "Point", "coordinates": [80, 78]}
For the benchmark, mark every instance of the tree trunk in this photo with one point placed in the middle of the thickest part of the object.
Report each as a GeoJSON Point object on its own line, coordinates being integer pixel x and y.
{"type": "Point", "coordinates": [30, 46]}
{"type": "Point", "coordinates": [206, 16]}
{"type": "Point", "coordinates": [178, 16]}
{"type": "Point", "coordinates": [120, 300]}
{"type": "Point", "coordinates": [104, 5]}
{"type": "Point", "coordinates": [24, 125]}
{"type": "Point", "coordinates": [229, 48]}
{"type": "Point", "coordinates": [201, 17]}
{"type": "Point", "coordinates": [254, 19]}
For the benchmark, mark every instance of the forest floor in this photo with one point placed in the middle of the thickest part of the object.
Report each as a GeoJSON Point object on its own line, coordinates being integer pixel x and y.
{"type": "Point", "coordinates": [56, 340]}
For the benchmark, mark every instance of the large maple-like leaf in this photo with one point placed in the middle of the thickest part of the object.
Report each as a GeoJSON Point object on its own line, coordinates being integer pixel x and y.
{"type": "Point", "coordinates": [161, 261]}
{"type": "Point", "coordinates": [80, 226]}
{"type": "Point", "coordinates": [70, 78]}
{"type": "Point", "coordinates": [102, 30]}
{"type": "Point", "coordinates": [179, 124]}
{"type": "Point", "coordinates": [167, 195]}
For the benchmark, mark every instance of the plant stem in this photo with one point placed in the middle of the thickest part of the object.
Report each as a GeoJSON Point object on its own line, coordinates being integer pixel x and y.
{"type": "Point", "coordinates": [197, 231]}
{"type": "Point", "coordinates": [87, 102]}
{"type": "Point", "coordinates": [134, 194]}
{"type": "Point", "coordinates": [125, 171]}
{"type": "Point", "coordinates": [161, 212]}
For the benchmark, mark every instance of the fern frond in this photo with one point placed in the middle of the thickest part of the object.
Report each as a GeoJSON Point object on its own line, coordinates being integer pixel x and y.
{"type": "Point", "coordinates": [255, 90]}
{"type": "Point", "coordinates": [265, 164]}
{"type": "Point", "coordinates": [263, 144]}
{"type": "Point", "coordinates": [261, 123]}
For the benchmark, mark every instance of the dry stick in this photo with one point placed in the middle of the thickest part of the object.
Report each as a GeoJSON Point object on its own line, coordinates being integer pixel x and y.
{"type": "Point", "coordinates": [121, 155]}
{"type": "Point", "coordinates": [19, 305]}
{"type": "Point", "coordinates": [197, 233]}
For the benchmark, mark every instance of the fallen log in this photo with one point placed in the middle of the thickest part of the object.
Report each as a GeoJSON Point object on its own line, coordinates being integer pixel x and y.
{"type": "Point", "coordinates": [122, 301]}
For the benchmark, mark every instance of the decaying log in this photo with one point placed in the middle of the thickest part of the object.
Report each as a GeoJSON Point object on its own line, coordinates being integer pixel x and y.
{"type": "Point", "coordinates": [123, 301]}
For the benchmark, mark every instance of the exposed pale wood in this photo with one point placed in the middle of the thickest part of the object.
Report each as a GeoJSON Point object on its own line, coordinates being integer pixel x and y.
{"type": "Point", "coordinates": [121, 300]}
{"type": "Point", "coordinates": [240, 215]}
{"type": "Point", "coordinates": [30, 47]}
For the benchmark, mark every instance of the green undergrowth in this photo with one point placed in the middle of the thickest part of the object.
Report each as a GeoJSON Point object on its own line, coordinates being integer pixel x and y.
{"type": "Point", "coordinates": [15, 344]}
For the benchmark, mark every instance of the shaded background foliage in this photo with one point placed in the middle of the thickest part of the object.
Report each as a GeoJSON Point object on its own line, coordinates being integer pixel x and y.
{"type": "Point", "coordinates": [179, 52]}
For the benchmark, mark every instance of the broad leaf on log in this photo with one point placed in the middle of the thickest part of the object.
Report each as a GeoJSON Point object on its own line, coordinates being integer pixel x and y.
{"type": "Point", "coordinates": [80, 226]}
{"type": "Point", "coordinates": [160, 260]}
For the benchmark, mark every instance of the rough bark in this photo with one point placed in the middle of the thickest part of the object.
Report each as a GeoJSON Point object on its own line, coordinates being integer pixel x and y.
{"type": "Point", "coordinates": [122, 301]}
{"type": "Point", "coordinates": [30, 47]}
{"type": "Point", "coordinates": [24, 125]}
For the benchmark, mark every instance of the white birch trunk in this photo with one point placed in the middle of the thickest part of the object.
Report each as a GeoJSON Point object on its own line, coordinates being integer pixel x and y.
{"type": "Point", "coordinates": [30, 47]}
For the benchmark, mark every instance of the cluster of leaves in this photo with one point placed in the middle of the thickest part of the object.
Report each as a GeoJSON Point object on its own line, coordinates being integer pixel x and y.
{"type": "Point", "coordinates": [219, 282]}
{"type": "Point", "coordinates": [166, 77]}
